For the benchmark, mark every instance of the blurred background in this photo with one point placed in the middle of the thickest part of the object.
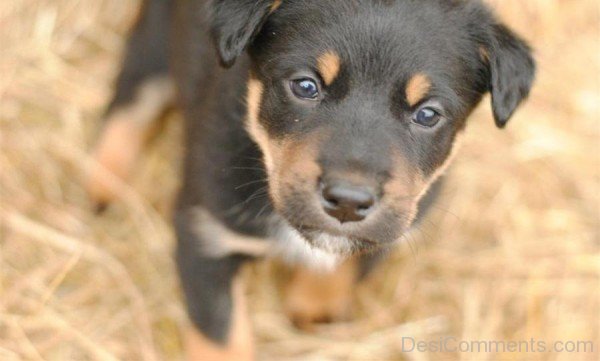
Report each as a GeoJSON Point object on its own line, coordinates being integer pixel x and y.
{"type": "Point", "coordinates": [512, 251]}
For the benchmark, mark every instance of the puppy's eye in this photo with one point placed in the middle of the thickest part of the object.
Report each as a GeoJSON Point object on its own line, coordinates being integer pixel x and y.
{"type": "Point", "coordinates": [305, 88]}
{"type": "Point", "coordinates": [427, 117]}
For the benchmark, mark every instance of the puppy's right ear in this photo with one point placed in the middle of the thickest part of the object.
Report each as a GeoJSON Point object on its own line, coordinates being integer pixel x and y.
{"type": "Point", "coordinates": [235, 23]}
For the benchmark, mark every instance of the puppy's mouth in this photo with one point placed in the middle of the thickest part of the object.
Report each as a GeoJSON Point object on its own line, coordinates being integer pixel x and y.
{"type": "Point", "coordinates": [337, 243]}
{"type": "Point", "coordinates": [380, 229]}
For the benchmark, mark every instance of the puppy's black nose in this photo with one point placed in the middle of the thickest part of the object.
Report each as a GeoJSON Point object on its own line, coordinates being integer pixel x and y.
{"type": "Point", "coordinates": [347, 203]}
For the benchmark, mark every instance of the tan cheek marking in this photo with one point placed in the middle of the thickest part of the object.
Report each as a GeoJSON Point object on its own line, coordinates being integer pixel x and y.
{"type": "Point", "coordinates": [412, 189]}
{"type": "Point", "coordinates": [297, 166]}
{"type": "Point", "coordinates": [115, 155]}
{"type": "Point", "coordinates": [443, 167]}
{"type": "Point", "coordinates": [402, 188]}
{"type": "Point", "coordinates": [299, 157]}
{"type": "Point", "coordinates": [239, 346]}
{"type": "Point", "coordinates": [329, 66]}
{"type": "Point", "coordinates": [271, 149]}
{"type": "Point", "coordinates": [418, 86]}
{"type": "Point", "coordinates": [313, 296]}
{"type": "Point", "coordinates": [253, 126]}
{"type": "Point", "coordinates": [401, 185]}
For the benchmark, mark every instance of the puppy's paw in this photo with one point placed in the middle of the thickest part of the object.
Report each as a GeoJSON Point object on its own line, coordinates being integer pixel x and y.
{"type": "Point", "coordinates": [114, 157]}
{"type": "Point", "coordinates": [312, 297]}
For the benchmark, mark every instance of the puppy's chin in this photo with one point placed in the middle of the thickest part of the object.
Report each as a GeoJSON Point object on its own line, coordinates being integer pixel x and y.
{"type": "Point", "coordinates": [312, 248]}
{"type": "Point", "coordinates": [341, 246]}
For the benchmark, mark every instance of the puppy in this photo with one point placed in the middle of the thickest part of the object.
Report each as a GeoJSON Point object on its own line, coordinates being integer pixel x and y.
{"type": "Point", "coordinates": [314, 130]}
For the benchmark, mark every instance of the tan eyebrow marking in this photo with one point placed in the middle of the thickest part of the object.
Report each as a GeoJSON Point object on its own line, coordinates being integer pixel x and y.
{"type": "Point", "coordinates": [418, 86]}
{"type": "Point", "coordinates": [329, 66]}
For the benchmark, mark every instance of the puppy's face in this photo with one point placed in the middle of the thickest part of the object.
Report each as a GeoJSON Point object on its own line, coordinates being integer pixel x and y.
{"type": "Point", "coordinates": [356, 106]}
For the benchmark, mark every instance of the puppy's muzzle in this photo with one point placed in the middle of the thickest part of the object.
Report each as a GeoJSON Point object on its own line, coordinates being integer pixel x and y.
{"type": "Point", "coordinates": [345, 201]}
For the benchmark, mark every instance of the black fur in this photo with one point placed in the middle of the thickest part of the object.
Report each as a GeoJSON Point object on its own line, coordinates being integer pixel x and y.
{"type": "Point", "coordinates": [234, 24]}
{"type": "Point", "coordinates": [206, 282]}
{"type": "Point", "coordinates": [147, 51]}
{"type": "Point", "coordinates": [363, 116]}
{"type": "Point", "coordinates": [512, 73]}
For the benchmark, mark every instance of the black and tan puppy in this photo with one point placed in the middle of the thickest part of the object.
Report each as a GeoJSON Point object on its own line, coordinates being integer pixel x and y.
{"type": "Point", "coordinates": [315, 130]}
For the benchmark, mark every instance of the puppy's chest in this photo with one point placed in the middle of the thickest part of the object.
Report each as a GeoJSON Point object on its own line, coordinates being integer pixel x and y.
{"type": "Point", "coordinates": [217, 240]}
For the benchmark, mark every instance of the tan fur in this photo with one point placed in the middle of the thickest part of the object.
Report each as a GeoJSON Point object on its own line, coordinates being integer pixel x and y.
{"type": "Point", "coordinates": [408, 185]}
{"type": "Point", "coordinates": [416, 89]}
{"type": "Point", "coordinates": [313, 296]}
{"type": "Point", "coordinates": [253, 126]}
{"type": "Point", "coordinates": [283, 158]}
{"type": "Point", "coordinates": [275, 5]}
{"type": "Point", "coordinates": [443, 167]}
{"type": "Point", "coordinates": [296, 165]}
{"type": "Point", "coordinates": [239, 346]}
{"type": "Point", "coordinates": [125, 133]}
{"type": "Point", "coordinates": [403, 183]}
{"type": "Point", "coordinates": [329, 66]}
{"type": "Point", "coordinates": [484, 54]}
{"type": "Point", "coordinates": [299, 157]}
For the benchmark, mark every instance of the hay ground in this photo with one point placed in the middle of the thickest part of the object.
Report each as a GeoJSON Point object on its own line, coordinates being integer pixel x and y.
{"type": "Point", "coordinates": [511, 252]}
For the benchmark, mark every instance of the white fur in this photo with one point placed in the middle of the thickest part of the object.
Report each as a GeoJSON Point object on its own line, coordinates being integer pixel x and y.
{"type": "Point", "coordinates": [293, 249]}
{"type": "Point", "coordinates": [283, 242]}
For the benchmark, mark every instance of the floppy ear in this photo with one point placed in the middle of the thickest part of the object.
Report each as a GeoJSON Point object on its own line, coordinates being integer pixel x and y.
{"type": "Point", "coordinates": [512, 70]}
{"type": "Point", "coordinates": [235, 23]}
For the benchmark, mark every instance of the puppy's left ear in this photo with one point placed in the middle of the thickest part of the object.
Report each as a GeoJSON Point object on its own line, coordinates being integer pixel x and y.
{"type": "Point", "coordinates": [235, 23]}
{"type": "Point", "coordinates": [512, 70]}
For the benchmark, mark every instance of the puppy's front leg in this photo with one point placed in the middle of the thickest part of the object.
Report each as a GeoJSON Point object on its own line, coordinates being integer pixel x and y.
{"type": "Point", "coordinates": [215, 301]}
{"type": "Point", "coordinates": [144, 91]}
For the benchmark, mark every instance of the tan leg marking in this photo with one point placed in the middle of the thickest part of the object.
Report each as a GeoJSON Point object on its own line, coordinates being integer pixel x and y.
{"type": "Point", "coordinates": [240, 345]}
{"type": "Point", "coordinates": [313, 296]}
{"type": "Point", "coordinates": [416, 89]}
{"type": "Point", "coordinates": [329, 66]}
{"type": "Point", "coordinates": [125, 133]}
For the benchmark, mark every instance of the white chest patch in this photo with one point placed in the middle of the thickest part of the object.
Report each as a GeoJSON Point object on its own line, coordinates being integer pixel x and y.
{"type": "Point", "coordinates": [283, 242]}
{"type": "Point", "coordinates": [292, 248]}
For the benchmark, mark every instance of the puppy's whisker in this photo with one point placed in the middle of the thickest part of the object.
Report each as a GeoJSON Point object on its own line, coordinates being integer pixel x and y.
{"type": "Point", "coordinates": [239, 207]}
{"type": "Point", "coordinates": [250, 168]}
{"type": "Point", "coordinates": [262, 209]}
{"type": "Point", "coordinates": [253, 158]}
{"type": "Point", "coordinates": [446, 211]}
{"type": "Point", "coordinates": [261, 192]}
{"type": "Point", "coordinates": [263, 180]}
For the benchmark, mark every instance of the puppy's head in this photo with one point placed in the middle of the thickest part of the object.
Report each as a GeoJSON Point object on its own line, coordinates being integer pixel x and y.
{"type": "Point", "coordinates": [356, 104]}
